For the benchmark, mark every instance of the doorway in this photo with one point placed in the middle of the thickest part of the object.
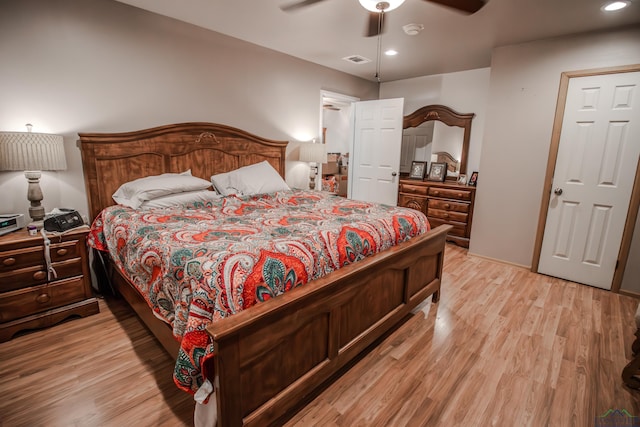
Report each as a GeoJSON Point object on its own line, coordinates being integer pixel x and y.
{"type": "Point", "coordinates": [591, 195]}
{"type": "Point", "coordinates": [336, 128]}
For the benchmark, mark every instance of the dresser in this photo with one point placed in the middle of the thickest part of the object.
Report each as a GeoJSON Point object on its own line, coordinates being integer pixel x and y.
{"type": "Point", "coordinates": [443, 203]}
{"type": "Point", "coordinates": [30, 297]}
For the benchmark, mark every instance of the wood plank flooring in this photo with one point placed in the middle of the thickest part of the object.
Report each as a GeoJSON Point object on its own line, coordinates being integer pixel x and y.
{"type": "Point", "coordinates": [503, 347]}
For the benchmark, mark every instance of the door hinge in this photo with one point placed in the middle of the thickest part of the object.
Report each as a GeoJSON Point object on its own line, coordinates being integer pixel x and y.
{"type": "Point", "coordinates": [617, 264]}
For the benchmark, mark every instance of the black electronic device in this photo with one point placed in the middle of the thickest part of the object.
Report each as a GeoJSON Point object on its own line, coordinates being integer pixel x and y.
{"type": "Point", "coordinates": [62, 220]}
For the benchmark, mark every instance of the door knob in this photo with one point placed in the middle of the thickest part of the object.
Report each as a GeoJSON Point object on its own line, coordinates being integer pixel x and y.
{"type": "Point", "coordinates": [393, 174]}
{"type": "Point", "coordinates": [557, 191]}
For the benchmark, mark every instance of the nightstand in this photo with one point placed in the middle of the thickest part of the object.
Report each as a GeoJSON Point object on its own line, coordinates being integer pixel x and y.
{"type": "Point", "coordinates": [28, 298]}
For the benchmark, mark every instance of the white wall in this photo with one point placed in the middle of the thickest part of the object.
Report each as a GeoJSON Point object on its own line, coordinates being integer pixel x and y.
{"type": "Point", "coordinates": [71, 66]}
{"type": "Point", "coordinates": [339, 128]}
{"type": "Point", "coordinates": [464, 91]}
{"type": "Point", "coordinates": [522, 101]}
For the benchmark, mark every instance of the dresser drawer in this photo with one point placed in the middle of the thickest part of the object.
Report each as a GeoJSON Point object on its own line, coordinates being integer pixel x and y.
{"type": "Point", "coordinates": [417, 203]}
{"type": "Point", "coordinates": [32, 256]}
{"type": "Point", "coordinates": [449, 193]}
{"type": "Point", "coordinates": [459, 229]}
{"type": "Point", "coordinates": [23, 302]}
{"type": "Point", "coordinates": [36, 275]}
{"type": "Point", "coordinates": [447, 205]}
{"type": "Point", "coordinates": [413, 189]}
{"type": "Point", "coordinates": [447, 215]}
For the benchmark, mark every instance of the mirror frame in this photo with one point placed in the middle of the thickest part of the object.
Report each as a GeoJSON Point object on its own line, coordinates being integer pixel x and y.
{"type": "Point", "coordinates": [450, 118]}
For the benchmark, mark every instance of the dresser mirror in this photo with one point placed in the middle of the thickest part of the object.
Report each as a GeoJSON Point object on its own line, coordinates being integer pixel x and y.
{"type": "Point", "coordinates": [436, 133]}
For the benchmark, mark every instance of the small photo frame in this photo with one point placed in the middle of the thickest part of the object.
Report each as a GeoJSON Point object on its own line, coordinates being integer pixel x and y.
{"type": "Point", "coordinates": [438, 172]}
{"type": "Point", "coordinates": [473, 180]}
{"type": "Point", "coordinates": [462, 179]}
{"type": "Point", "coordinates": [418, 170]}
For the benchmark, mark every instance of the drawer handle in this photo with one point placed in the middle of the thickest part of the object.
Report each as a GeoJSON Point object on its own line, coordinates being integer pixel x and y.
{"type": "Point", "coordinates": [62, 252]}
{"type": "Point", "coordinates": [460, 195]}
{"type": "Point", "coordinates": [39, 275]}
{"type": "Point", "coordinates": [447, 205]}
{"type": "Point", "coordinates": [435, 193]}
{"type": "Point", "coordinates": [43, 298]}
{"type": "Point", "coordinates": [446, 215]}
{"type": "Point", "coordinates": [8, 261]}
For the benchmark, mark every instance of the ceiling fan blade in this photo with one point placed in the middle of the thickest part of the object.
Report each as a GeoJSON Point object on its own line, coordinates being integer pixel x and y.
{"type": "Point", "coordinates": [298, 5]}
{"type": "Point", "coordinates": [468, 6]}
{"type": "Point", "coordinates": [374, 25]}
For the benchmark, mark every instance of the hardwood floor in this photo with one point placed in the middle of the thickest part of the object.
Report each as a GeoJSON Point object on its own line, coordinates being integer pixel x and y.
{"type": "Point", "coordinates": [503, 347]}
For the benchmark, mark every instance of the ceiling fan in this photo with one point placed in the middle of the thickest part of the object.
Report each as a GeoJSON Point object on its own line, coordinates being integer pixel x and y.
{"type": "Point", "coordinates": [377, 8]}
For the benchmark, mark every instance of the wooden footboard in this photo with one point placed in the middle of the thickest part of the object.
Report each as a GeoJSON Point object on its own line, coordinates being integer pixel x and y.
{"type": "Point", "coordinates": [273, 356]}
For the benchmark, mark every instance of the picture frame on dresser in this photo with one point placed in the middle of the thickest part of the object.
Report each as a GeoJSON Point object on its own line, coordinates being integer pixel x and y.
{"type": "Point", "coordinates": [473, 180]}
{"type": "Point", "coordinates": [462, 179]}
{"type": "Point", "coordinates": [418, 169]}
{"type": "Point", "coordinates": [438, 172]}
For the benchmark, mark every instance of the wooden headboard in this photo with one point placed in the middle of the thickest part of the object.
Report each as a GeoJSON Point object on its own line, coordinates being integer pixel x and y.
{"type": "Point", "coordinates": [444, 157]}
{"type": "Point", "coordinates": [111, 159]}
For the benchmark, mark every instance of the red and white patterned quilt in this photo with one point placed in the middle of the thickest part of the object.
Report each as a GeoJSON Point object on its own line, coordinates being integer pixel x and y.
{"type": "Point", "coordinates": [198, 264]}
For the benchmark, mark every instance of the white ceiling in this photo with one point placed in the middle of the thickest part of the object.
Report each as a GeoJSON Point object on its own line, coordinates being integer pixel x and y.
{"type": "Point", "coordinates": [326, 32]}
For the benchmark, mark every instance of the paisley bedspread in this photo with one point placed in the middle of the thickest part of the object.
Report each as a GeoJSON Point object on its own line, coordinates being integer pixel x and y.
{"type": "Point", "coordinates": [198, 264]}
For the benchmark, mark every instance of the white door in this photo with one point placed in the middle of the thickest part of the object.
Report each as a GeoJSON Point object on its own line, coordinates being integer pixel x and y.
{"type": "Point", "coordinates": [594, 175]}
{"type": "Point", "coordinates": [375, 162]}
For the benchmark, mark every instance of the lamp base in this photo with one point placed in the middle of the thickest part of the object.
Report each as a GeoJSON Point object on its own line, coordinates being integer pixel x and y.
{"type": "Point", "coordinates": [34, 195]}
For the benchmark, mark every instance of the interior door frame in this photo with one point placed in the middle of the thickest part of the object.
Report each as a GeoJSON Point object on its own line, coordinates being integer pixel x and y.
{"type": "Point", "coordinates": [634, 202]}
{"type": "Point", "coordinates": [348, 100]}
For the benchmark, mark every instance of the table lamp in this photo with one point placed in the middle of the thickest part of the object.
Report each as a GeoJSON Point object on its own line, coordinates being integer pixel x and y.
{"type": "Point", "coordinates": [313, 154]}
{"type": "Point", "coordinates": [32, 153]}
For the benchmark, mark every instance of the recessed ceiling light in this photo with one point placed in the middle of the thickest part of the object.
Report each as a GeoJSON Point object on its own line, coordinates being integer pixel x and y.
{"type": "Point", "coordinates": [615, 5]}
{"type": "Point", "coordinates": [391, 52]}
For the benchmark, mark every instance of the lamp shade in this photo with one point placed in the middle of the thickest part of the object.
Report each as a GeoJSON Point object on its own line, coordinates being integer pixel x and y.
{"type": "Point", "coordinates": [371, 5]}
{"type": "Point", "coordinates": [27, 151]}
{"type": "Point", "coordinates": [313, 153]}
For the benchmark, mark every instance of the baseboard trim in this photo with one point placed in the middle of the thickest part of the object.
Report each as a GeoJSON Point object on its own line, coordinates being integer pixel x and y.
{"type": "Point", "coordinates": [501, 261]}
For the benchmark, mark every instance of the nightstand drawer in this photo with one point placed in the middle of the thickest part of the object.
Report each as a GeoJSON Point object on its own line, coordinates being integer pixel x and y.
{"type": "Point", "coordinates": [36, 275]}
{"type": "Point", "coordinates": [27, 257]}
{"type": "Point", "coordinates": [33, 256]}
{"type": "Point", "coordinates": [23, 302]}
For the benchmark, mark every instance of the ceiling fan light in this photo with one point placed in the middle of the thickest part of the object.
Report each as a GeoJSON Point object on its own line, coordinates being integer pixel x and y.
{"type": "Point", "coordinates": [372, 5]}
{"type": "Point", "coordinates": [615, 5]}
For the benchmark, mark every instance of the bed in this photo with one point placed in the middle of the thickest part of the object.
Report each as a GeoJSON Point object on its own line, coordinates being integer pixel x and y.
{"type": "Point", "coordinates": [258, 380]}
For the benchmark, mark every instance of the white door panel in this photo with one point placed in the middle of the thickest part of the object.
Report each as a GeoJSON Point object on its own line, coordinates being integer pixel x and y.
{"type": "Point", "coordinates": [377, 148]}
{"type": "Point", "coordinates": [593, 180]}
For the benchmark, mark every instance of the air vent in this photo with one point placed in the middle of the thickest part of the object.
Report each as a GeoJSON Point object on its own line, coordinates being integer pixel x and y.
{"type": "Point", "coordinates": [357, 59]}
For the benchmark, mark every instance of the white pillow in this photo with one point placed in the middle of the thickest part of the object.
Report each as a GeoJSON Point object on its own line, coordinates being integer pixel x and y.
{"type": "Point", "coordinates": [181, 199]}
{"type": "Point", "coordinates": [222, 184]}
{"type": "Point", "coordinates": [134, 193]}
{"type": "Point", "coordinates": [249, 180]}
